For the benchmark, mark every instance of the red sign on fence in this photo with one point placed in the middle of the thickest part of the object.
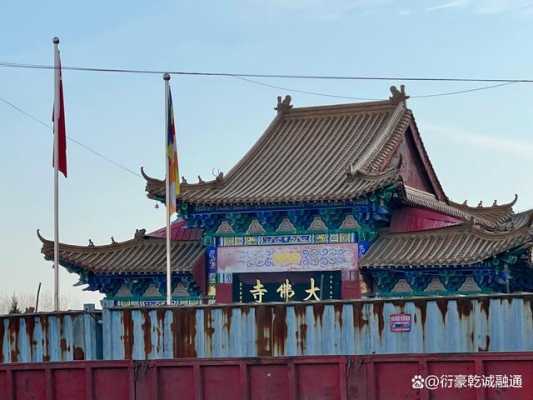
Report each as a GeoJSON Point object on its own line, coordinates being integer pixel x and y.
{"type": "Point", "coordinates": [400, 322]}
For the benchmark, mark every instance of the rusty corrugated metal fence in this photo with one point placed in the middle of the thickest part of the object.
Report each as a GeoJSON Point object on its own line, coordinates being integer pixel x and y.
{"type": "Point", "coordinates": [497, 323]}
{"type": "Point", "coordinates": [438, 325]}
{"type": "Point", "coordinates": [62, 336]}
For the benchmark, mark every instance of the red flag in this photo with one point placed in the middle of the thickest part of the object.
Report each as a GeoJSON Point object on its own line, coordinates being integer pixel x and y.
{"type": "Point", "coordinates": [60, 133]}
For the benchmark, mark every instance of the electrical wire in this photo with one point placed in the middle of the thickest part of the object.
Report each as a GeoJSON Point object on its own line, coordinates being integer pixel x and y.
{"type": "Point", "coordinates": [246, 78]}
{"type": "Point", "coordinates": [86, 147]}
{"type": "Point", "coordinates": [464, 91]}
{"type": "Point", "coordinates": [255, 82]}
{"type": "Point", "coordinates": [256, 75]}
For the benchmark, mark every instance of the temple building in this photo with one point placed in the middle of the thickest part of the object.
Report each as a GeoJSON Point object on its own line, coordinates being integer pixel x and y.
{"type": "Point", "coordinates": [332, 202]}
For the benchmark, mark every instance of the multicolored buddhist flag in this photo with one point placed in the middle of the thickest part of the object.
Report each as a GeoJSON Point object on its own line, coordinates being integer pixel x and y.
{"type": "Point", "coordinates": [172, 158]}
{"type": "Point", "coordinates": [58, 117]}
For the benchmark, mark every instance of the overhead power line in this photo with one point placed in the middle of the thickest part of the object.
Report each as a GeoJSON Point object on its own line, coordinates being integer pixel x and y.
{"type": "Point", "coordinates": [247, 78]}
{"type": "Point", "coordinates": [256, 82]}
{"type": "Point", "coordinates": [258, 75]}
{"type": "Point", "coordinates": [71, 139]}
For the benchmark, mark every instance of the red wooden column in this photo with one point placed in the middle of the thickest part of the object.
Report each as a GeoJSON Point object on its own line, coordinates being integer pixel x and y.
{"type": "Point", "coordinates": [350, 289]}
{"type": "Point", "coordinates": [351, 284]}
{"type": "Point", "coordinates": [224, 293]}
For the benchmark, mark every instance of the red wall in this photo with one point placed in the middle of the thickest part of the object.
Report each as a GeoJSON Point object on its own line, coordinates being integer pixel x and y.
{"type": "Point", "coordinates": [351, 289]}
{"type": "Point", "coordinates": [412, 169]}
{"type": "Point", "coordinates": [262, 378]}
{"type": "Point", "coordinates": [410, 219]}
{"type": "Point", "coordinates": [199, 271]}
{"type": "Point", "coordinates": [224, 293]}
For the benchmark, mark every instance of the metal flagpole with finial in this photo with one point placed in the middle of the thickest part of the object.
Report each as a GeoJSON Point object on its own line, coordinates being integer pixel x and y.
{"type": "Point", "coordinates": [57, 106]}
{"type": "Point", "coordinates": [166, 78]}
{"type": "Point", "coordinates": [60, 159]}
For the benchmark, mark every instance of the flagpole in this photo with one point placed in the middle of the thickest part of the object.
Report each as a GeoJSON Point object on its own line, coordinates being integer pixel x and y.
{"type": "Point", "coordinates": [166, 78]}
{"type": "Point", "coordinates": [56, 174]}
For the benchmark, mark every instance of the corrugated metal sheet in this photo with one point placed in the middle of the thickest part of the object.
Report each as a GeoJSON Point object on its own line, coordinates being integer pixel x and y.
{"type": "Point", "coordinates": [63, 336]}
{"type": "Point", "coordinates": [438, 325]}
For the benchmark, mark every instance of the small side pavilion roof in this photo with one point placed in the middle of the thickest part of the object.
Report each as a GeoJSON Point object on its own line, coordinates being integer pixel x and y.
{"type": "Point", "coordinates": [463, 244]}
{"type": "Point", "coordinates": [144, 254]}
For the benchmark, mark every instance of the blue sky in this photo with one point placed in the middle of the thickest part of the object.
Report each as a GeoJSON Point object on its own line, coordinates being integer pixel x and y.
{"type": "Point", "coordinates": [480, 143]}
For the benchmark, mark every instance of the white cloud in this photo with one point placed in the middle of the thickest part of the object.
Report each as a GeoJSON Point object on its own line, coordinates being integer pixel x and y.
{"type": "Point", "coordinates": [332, 10]}
{"type": "Point", "coordinates": [486, 6]}
{"type": "Point", "coordinates": [499, 6]}
{"type": "Point", "coordinates": [493, 143]}
{"type": "Point", "coordinates": [450, 4]}
{"type": "Point", "coordinates": [325, 9]}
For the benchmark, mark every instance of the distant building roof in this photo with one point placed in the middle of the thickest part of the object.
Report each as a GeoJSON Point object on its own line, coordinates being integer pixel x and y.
{"type": "Point", "coordinates": [144, 254]}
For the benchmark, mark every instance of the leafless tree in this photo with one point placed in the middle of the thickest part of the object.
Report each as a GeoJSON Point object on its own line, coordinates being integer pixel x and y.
{"type": "Point", "coordinates": [14, 305]}
{"type": "Point", "coordinates": [25, 301]}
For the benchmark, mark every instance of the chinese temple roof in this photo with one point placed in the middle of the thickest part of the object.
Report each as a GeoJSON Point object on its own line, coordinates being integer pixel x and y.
{"type": "Point", "coordinates": [463, 244]}
{"type": "Point", "coordinates": [519, 219]}
{"type": "Point", "coordinates": [178, 231]}
{"type": "Point", "coordinates": [496, 214]}
{"type": "Point", "coordinates": [325, 153]}
{"type": "Point", "coordinates": [144, 254]}
{"type": "Point", "coordinates": [493, 217]}
{"type": "Point", "coordinates": [322, 154]}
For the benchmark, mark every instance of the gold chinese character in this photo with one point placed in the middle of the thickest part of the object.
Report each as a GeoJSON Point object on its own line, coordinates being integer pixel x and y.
{"type": "Point", "coordinates": [258, 291]}
{"type": "Point", "coordinates": [285, 290]}
{"type": "Point", "coordinates": [312, 291]}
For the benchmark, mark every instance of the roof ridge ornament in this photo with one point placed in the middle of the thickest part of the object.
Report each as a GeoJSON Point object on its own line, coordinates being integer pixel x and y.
{"type": "Point", "coordinates": [398, 96]}
{"type": "Point", "coordinates": [41, 238]}
{"type": "Point", "coordinates": [468, 225]}
{"type": "Point", "coordinates": [495, 204]}
{"type": "Point", "coordinates": [139, 234]}
{"type": "Point", "coordinates": [352, 172]}
{"type": "Point", "coordinates": [219, 175]}
{"type": "Point", "coordinates": [283, 105]}
{"type": "Point", "coordinates": [147, 177]}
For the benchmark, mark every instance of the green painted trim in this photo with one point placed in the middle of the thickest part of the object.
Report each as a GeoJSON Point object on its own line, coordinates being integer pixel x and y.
{"type": "Point", "coordinates": [297, 232]}
{"type": "Point", "coordinates": [314, 240]}
{"type": "Point", "coordinates": [150, 298]}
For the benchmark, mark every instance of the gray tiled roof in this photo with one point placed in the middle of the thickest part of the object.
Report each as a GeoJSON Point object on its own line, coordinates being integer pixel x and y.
{"type": "Point", "coordinates": [141, 255]}
{"type": "Point", "coordinates": [462, 244]}
{"type": "Point", "coordinates": [326, 153]}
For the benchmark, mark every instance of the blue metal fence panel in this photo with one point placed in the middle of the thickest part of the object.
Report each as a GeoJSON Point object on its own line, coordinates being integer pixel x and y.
{"type": "Point", "coordinates": [494, 323]}
{"type": "Point", "coordinates": [64, 336]}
